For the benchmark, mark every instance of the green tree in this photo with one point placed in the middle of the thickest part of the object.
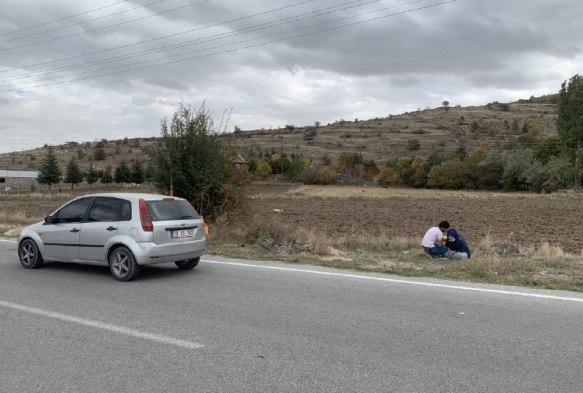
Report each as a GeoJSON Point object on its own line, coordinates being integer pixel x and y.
{"type": "Point", "coordinates": [570, 111]}
{"type": "Point", "coordinates": [74, 174]}
{"type": "Point", "coordinates": [122, 173]}
{"type": "Point", "coordinates": [91, 175]}
{"type": "Point", "coordinates": [347, 160]}
{"type": "Point", "coordinates": [49, 172]}
{"type": "Point", "coordinates": [138, 176]}
{"type": "Point", "coordinates": [515, 126]}
{"type": "Point", "coordinates": [547, 148]}
{"type": "Point", "coordinates": [521, 171]}
{"type": "Point", "coordinates": [559, 174]}
{"type": "Point", "coordinates": [201, 164]}
{"type": "Point", "coordinates": [475, 126]}
{"type": "Point", "coordinates": [461, 153]}
{"type": "Point", "coordinates": [263, 169]}
{"type": "Point", "coordinates": [106, 177]}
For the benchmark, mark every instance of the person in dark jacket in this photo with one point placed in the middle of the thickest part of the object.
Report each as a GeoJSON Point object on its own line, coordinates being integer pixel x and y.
{"type": "Point", "coordinates": [456, 243]}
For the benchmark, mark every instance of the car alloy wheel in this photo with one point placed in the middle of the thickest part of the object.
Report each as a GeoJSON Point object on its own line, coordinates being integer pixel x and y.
{"type": "Point", "coordinates": [29, 254]}
{"type": "Point", "coordinates": [122, 264]}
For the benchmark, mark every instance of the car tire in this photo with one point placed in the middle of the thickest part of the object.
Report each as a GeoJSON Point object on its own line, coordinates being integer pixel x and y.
{"type": "Point", "coordinates": [188, 264]}
{"type": "Point", "coordinates": [123, 265]}
{"type": "Point", "coordinates": [29, 254]}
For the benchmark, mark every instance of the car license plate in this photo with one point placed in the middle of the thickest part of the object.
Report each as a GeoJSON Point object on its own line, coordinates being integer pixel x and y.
{"type": "Point", "coordinates": [181, 233]}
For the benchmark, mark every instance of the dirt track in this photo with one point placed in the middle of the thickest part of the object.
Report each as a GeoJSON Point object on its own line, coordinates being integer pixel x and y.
{"type": "Point", "coordinates": [519, 219]}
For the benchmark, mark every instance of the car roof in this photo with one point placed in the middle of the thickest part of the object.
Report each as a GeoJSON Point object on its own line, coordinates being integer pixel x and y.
{"type": "Point", "coordinates": [130, 195]}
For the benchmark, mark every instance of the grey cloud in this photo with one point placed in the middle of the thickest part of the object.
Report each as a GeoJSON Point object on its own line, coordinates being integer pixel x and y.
{"type": "Point", "coordinates": [466, 52]}
{"type": "Point", "coordinates": [143, 100]}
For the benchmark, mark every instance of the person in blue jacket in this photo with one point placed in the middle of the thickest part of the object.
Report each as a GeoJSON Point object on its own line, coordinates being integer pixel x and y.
{"type": "Point", "coordinates": [456, 243]}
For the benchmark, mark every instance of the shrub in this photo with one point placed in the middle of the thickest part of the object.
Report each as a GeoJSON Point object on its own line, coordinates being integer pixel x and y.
{"type": "Point", "coordinates": [413, 144]}
{"type": "Point", "coordinates": [321, 176]}
{"type": "Point", "coordinates": [99, 154]}
{"type": "Point", "coordinates": [455, 175]}
{"type": "Point", "coordinates": [488, 176]}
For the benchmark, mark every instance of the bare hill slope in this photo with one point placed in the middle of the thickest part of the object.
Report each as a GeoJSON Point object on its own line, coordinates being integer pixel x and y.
{"type": "Point", "coordinates": [381, 139]}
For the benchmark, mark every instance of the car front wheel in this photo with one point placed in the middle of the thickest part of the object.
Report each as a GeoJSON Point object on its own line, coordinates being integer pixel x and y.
{"type": "Point", "coordinates": [123, 265]}
{"type": "Point", "coordinates": [29, 254]}
{"type": "Point", "coordinates": [188, 264]}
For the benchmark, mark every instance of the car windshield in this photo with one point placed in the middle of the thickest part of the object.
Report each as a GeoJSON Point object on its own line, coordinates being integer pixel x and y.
{"type": "Point", "coordinates": [171, 209]}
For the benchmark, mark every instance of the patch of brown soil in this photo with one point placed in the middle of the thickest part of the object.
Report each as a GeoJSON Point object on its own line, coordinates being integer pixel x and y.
{"type": "Point", "coordinates": [516, 219]}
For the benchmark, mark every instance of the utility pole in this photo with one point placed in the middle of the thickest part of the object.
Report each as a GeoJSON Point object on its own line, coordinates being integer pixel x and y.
{"type": "Point", "coordinates": [281, 156]}
{"type": "Point", "coordinates": [577, 165]}
{"type": "Point", "coordinates": [171, 184]}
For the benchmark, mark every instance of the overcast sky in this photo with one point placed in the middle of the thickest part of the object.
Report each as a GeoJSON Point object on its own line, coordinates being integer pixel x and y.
{"type": "Point", "coordinates": [72, 72]}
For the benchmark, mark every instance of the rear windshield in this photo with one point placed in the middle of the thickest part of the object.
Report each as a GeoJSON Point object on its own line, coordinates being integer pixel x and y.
{"type": "Point", "coordinates": [171, 209]}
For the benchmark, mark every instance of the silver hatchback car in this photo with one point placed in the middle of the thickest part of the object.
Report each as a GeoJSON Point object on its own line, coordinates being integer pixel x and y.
{"type": "Point", "coordinates": [121, 230]}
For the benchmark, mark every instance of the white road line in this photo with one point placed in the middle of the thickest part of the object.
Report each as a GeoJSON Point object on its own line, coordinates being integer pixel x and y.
{"type": "Point", "coordinates": [103, 326]}
{"type": "Point", "coordinates": [7, 241]}
{"type": "Point", "coordinates": [393, 280]}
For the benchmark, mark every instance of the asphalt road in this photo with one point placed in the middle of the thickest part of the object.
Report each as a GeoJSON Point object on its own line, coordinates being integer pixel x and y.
{"type": "Point", "coordinates": [234, 326]}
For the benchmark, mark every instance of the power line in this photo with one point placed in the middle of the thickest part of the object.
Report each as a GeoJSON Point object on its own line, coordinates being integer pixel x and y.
{"type": "Point", "coordinates": [104, 27]}
{"type": "Point", "coordinates": [163, 37]}
{"type": "Point", "coordinates": [80, 23]}
{"type": "Point", "coordinates": [174, 46]}
{"type": "Point", "coordinates": [249, 46]}
{"type": "Point", "coordinates": [62, 19]}
{"type": "Point", "coordinates": [215, 37]}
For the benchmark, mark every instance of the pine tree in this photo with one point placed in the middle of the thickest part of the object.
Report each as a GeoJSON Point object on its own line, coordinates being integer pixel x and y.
{"type": "Point", "coordinates": [106, 177]}
{"type": "Point", "coordinates": [91, 175]}
{"type": "Point", "coordinates": [74, 175]}
{"type": "Point", "coordinates": [122, 173]}
{"type": "Point", "coordinates": [137, 172]}
{"type": "Point", "coordinates": [49, 171]}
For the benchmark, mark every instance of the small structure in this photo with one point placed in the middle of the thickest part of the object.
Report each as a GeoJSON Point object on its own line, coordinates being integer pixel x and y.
{"type": "Point", "coordinates": [16, 180]}
{"type": "Point", "coordinates": [239, 164]}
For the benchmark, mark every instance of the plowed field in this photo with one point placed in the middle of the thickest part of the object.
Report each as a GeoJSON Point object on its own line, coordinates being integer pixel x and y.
{"type": "Point", "coordinates": [520, 219]}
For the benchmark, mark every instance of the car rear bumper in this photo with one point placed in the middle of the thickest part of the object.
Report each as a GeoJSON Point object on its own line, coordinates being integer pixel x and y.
{"type": "Point", "coordinates": [151, 253]}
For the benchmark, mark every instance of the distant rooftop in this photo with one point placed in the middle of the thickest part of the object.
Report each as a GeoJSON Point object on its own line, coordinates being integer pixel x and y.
{"type": "Point", "coordinates": [18, 174]}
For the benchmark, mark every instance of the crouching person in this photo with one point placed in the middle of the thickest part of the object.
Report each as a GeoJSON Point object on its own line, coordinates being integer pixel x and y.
{"type": "Point", "coordinates": [433, 242]}
{"type": "Point", "coordinates": [457, 244]}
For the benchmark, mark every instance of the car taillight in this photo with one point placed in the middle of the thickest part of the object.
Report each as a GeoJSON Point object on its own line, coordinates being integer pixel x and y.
{"type": "Point", "coordinates": [145, 218]}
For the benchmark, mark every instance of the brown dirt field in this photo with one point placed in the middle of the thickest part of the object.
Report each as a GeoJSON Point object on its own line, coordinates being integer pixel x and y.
{"type": "Point", "coordinates": [521, 219]}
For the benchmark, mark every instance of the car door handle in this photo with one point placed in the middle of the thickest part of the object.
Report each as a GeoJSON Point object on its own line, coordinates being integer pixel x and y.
{"type": "Point", "coordinates": [111, 228]}
{"type": "Point", "coordinates": [74, 230]}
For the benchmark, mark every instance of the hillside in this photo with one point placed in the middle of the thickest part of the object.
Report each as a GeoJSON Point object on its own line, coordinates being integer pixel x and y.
{"type": "Point", "coordinates": [382, 139]}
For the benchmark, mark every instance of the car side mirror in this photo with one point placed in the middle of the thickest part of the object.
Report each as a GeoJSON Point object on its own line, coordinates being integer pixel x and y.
{"type": "Point", "coordinates": [50, 220]}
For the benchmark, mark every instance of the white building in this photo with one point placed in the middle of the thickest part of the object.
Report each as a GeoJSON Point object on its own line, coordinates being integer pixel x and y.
{"type": "Point", "coordinates": [9, 179]}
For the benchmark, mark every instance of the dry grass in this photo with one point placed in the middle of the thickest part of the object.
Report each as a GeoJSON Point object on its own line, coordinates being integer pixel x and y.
{"type": "Point", "coordinates": [539, 265]}
{"type": "Point", "coordinates": [10, 218]}
{"type": "Point", "coordinates": [36, 196]}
